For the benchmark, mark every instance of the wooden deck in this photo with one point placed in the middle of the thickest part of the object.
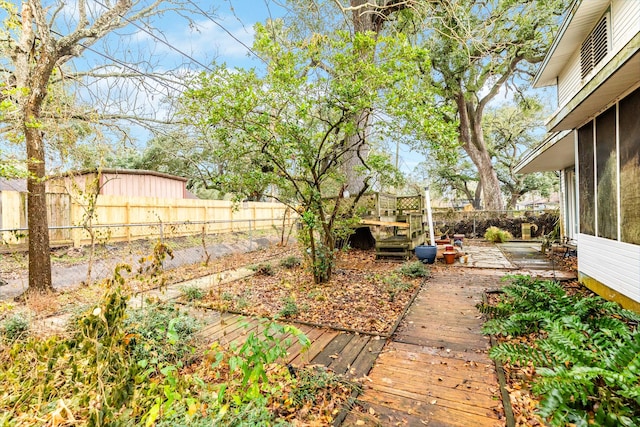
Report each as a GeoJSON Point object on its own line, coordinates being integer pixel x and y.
{"type": "Point", "coordinates": [435, 370]}
{"type": "Point", "coordinates": [345, 353]}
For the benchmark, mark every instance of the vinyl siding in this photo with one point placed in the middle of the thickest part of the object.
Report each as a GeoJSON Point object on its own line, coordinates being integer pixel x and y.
{"type": "Point", "coordinates": [625, 18]}
{"type": "Point", "coordinates": [624, 25]}
{"type": "Point", "coordinates": [569, 81]}
{"type": "Point", "coordinates": [614, 264]}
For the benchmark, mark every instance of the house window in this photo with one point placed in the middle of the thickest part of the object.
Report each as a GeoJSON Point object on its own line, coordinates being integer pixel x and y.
{"type": "Point", "coordinates": [607, 174]}
{"type": "Point", "coordinates": [586, 179]}
{"type": "Point", "coordinates": [630, 168]}
{"type": "Point", "coordinates": [595, 46]}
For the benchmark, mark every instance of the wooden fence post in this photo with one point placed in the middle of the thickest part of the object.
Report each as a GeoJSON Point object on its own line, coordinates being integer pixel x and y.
{"type": "Point", "coordinates": [75, 218]}
{"type": "Point", "coordinates": [127, 215]}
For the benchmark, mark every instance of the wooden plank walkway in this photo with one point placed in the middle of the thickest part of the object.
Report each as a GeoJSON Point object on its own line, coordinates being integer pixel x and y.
{"type": "Point", "coordinates": [345, 353]}
{"type": "Point", "coordinates": [435, 370]}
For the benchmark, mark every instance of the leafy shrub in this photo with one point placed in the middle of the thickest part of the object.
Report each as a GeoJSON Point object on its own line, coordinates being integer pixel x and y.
{"type": "Point", "coordinates": [192, 293]}
{"type": "Point", "coordinates": [291, 262]}
{"type": "Point", "coordinates": [414, 269]}
{"type": "Point", "coordinates": [527, 304]}
{"type": "Point", "coordinates": [587, 358]}
{"type": "Point", "coordinates": [15, 327]}
{"type": "Point", "coordinates": [290, 308]}
{"type": "Point", "coordinates": [394, 285]}
{"type": "Point", "coordinates": [264, 269]}
{"type": "Point", "coordinates": [101, 373]}
{"type": "Point", "coordinates": [496, 235]}
{"type": "Point", "coordinates": [161, 334]}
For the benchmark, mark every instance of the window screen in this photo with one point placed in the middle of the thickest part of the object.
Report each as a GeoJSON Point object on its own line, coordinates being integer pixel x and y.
{"type": "Point", "coordinates": [607, 175]}
{"type": "Point", "coordinates": [630, 168]}
{"type": "Point", "coordinates": [586, 179]}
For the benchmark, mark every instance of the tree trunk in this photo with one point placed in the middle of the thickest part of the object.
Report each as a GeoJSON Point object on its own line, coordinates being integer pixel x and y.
{"type": "Point", "coordinates": [513, 200]}
{"type": "Point", "coordinates": [365, 19]}
{"type": "Point", "coordinates": [477, 199]}
{"type": "Point", "coordinates": [358, 149]}
{"type": "Point", "coordinates": [39, 250]}
{"type": "Point", "coordinates": [472, 138]}
{"type": "Point", "coordinates": [35, 77]}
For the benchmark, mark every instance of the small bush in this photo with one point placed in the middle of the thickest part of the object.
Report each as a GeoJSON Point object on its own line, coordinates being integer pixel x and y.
{"type": "Point", "coordinates": [290, 308]}
{"type": "Point", "coordinates": [291, 262]}
{"type": "Point", "coordinates": [414, 269]}
{"type": "Point", "coordinates": [15, 327]}
{"type": "Point", "coordinates": [395, 285]}
{"type": "Point", "coordinates": [496, 235]}
{"type": "Point", "coordinates": [192, 293]}
{"type": "Point", "coordinates": [263, 269]}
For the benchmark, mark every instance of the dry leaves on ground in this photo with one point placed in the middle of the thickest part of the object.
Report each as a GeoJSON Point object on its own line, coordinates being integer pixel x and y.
{"type": "Point", "coordinates": [363, 294]}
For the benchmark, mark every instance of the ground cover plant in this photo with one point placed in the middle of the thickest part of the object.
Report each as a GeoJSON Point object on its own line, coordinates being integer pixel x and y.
{"type": "Point", "coordinates": [578, 353]}
{"type": "Point", "coordinates": [363, 294]}
{"type": "Point", "coordinates": [119, 366]}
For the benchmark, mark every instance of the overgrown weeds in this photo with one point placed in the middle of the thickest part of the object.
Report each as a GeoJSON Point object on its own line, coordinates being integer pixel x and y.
{"type": "Point", "coordinates": [289, 308]}
{"type": "Point", "coordinates": [192, 293]}
{"type": "Point", "coordinates": [264, 269]}
{"type": "Point", "coordinates": [586, 351]}
{"type": "Point", "coordinates": [291, 262]}
{"type": "Point", "coordinates": [15, 327]}
{"type": "Point", "coordinates": [117, 366]}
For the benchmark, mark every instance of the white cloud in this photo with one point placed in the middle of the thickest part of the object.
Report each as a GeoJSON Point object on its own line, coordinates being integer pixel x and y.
{"type": "Point", "coordinates": [204, 41]}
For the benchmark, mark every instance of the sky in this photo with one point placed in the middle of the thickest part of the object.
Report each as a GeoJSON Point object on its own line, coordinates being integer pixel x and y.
{"type": "Point", "coordinates": [223, 36]}
{"type": "Point", "coordinates": [171, 42]}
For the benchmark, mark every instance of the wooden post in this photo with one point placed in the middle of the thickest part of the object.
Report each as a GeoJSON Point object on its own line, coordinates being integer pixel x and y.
{"type": "Point", "coordinates": [127, 221]}
{"type": "Point", "coordinates": [74, 220]}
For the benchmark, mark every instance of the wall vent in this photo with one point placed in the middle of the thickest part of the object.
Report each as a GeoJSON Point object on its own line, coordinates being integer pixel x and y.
{"type": "Point", "coordinates": [595, 46]}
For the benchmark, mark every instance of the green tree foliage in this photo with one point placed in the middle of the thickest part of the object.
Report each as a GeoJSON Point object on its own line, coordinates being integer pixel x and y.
{"type": "Point", "coordinates": [292, 126]}
{"type": "Point", "coordinates": [478, 49]}
{"type": "Point", "coordinates": [454, 178]}
{"type": "Point", "coordinates": [511, 130]}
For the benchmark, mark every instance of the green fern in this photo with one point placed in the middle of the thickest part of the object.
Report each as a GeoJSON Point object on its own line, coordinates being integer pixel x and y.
{"type": "Point", "coordinates": [520, 354]}
{"type": "Point", "coordinates": [587, 359]}
{"type": "Point", "coordinates": [598, 380]}
{"type": "Point", "coordinates": [516, 324]}
{"type": "Point", "coordinates": [498, 310]}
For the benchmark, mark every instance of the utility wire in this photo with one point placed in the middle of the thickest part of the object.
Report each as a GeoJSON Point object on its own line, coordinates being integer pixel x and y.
{"type": "Point", "coordinates": [160, 40]}
{"type": "Point", "coordinates": [117, 61]}
{"type": "Point", "coordinates": [227, 31]}
{"type": "Point", "coordinates": [123, 64]}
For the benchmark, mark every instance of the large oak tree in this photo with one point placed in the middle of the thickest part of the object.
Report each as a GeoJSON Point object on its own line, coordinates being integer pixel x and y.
{"type": "Point", "coordinates": [478, 50]}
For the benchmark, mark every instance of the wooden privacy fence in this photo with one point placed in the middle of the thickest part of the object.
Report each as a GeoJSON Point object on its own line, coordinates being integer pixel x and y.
{"type": "Point", "coordinates": [119, 218]}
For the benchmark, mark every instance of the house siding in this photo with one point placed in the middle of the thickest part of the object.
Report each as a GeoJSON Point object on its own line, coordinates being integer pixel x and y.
{"type": "Point", "coordinates": [625, 18]}
{"type": "Point", "coordinates": [624, 25]}
{"type": "Point", "coordinates": [611, 262]}
{"type": "Point", "coordinates": [569, 81]}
